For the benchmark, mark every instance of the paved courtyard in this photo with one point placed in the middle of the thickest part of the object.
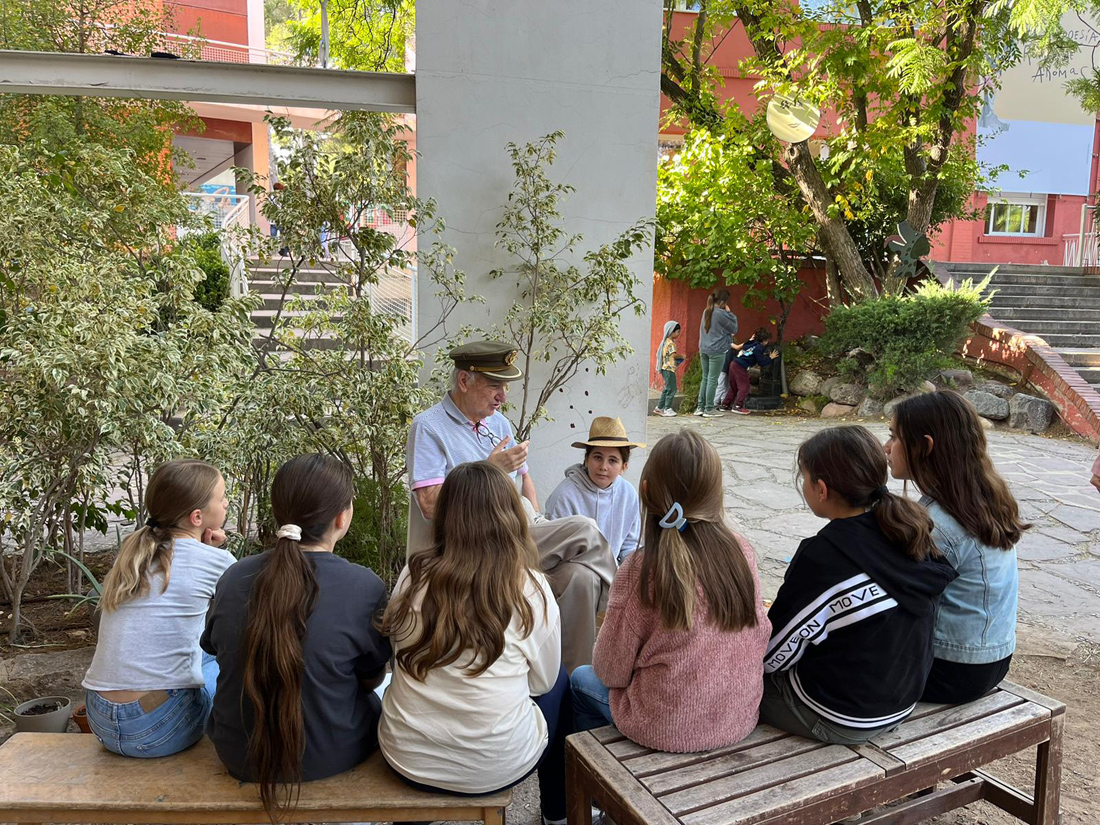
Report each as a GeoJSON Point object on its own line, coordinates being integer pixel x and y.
{"type": "Point", "coordinates": [1059, 557]}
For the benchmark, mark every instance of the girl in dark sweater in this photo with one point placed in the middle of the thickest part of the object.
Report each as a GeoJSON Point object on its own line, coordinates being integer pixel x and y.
{"type": "Point", "coordinates": [852, 623]}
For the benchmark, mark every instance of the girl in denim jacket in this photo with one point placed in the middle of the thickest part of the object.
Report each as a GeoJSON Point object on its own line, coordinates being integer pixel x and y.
{"type": "Point", "coordinates": [937, 441]}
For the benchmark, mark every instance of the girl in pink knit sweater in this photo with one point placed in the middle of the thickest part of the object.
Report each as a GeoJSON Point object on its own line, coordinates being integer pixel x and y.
{"type": "Point", "coordinates": [678, 664]}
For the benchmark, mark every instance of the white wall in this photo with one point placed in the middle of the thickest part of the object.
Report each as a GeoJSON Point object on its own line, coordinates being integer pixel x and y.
{"type": "Point", "coordinates": [493, 71]}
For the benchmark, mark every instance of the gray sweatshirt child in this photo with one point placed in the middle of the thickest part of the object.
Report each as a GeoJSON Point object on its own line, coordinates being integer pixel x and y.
{"type": "Point", "coordinates": [615, 510]}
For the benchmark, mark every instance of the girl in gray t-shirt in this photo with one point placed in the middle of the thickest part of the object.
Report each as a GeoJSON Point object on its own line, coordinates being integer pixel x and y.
{"type": "Point", "coordinates": [149, 688]}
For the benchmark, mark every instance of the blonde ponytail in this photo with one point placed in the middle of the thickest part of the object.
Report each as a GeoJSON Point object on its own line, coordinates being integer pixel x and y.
{"type": "Point", "coordinates": [144, 553]}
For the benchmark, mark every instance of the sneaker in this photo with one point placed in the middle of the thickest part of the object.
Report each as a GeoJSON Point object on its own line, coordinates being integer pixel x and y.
{"type": "Point", "coordinates": [658, 411]}
{"type": "Point", "coordinates": [739, 411]}
{"type": "Point", "coordinates": [722, 408]}
{"type": "Point", "coordinates": [669, 413]}
{"type": "Point", "coordinates": [712, 414]}
{"type": "Point", "coordinates": [697, 412]}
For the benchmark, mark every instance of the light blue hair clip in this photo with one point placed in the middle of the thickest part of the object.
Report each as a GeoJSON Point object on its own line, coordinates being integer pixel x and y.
{"type": "Point", "coordinates": [674, 519]}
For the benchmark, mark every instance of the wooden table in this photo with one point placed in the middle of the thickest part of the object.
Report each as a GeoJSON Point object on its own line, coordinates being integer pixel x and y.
{"type": "Point", "coordinates": [774, 777]}
{"type": "Point", "coordinates": [70, 778]}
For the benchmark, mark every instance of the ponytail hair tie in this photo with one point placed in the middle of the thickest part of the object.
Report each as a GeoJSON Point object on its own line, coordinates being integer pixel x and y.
{"type": "Point", "coordinates": [152, 522]}
{"type": "Point", "coordinates": [674, 519]}
{"type": "Point", "coordinates": [290, 531]}
{"type": "Point", "coordinates": [881, 493]}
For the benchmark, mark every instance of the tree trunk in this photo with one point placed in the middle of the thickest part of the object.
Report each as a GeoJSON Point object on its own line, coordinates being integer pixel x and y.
{"type": "Point", "coordinates": [832, 284]}
{"type": "Point", "coordinates": [834, 235]}
{"type": "Point", "coordinates": [16, 612]}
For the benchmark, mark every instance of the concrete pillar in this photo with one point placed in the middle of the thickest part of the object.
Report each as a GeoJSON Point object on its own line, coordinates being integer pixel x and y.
{"type": "Point", "coordinates": [493, 71]}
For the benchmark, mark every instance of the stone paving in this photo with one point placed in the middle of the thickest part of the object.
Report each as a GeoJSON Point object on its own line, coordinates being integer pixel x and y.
{"type": "Point", "coordinates": [1059, 557]}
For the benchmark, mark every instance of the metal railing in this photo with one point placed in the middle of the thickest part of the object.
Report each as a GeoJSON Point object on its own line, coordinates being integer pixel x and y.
{"type": "Point", "coordinates": [217, 207]}
{"type": "Point", "coordinates": [1075, 255]}
{"type": "Point", "coordinates": [234, 225]}
{"type": "Point", "coordinates": [199, 48]}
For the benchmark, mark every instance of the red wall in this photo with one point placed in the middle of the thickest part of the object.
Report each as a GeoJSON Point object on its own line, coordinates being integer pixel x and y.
{"type": "Point", "coordinates": [225, 20]}
{"type": "Point", "coordinates": [676, 301]}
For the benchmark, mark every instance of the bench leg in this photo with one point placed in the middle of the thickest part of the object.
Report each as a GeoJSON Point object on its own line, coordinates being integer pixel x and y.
{"type": "Point", "coordinates": [578, 797]}
{"type": "Point", "coordinates": [492, 816]}
{"type": "Point", "coordinates": [1048, 775]}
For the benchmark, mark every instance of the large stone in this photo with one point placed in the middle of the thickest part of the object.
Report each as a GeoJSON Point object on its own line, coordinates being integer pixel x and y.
{"type": "Point", "coordinates": [997, 389]}
{"type": "Point", "coordinates": [828, 384]}
{"type": "Point", "coordinates": [986, 423]}
{"type": "Point", "coordinates": [889, 406]}
{"type": "Point", "coordinates": [958, 379]}
{"type": "Point", "coordinates": [837, 410]}
{"type": "Point", "coordinates": [807, 382]}
{"type": "Point", "coordinates": [988, 405]}
{"type": "Point", "coordinates": [927, 386]}
{"type": "Point", "coordinates": [754, 375]}
{"type": "Point", "coordinates": [1026, 412]}
{"type": "Point", "coordinates": [809, 405]}
{"type": "Point", "coordinates": [870, 408]}
{"type": "Point", "coordinates": [849, 394]}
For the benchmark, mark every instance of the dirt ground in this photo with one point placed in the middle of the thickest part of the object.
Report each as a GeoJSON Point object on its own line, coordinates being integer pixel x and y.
{"type": "Point", "coordinates": [1058, 669]}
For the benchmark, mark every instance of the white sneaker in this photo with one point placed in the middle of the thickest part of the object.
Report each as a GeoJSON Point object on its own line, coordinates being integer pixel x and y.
{"type": "Point", "coordinates": [669, 413]}
{"type": "Point", "coordinates": [713, 414]}
{"type": "Point", "coordinates": [697, 412]}
{"type": "Point", "coordinates": [658, 411]}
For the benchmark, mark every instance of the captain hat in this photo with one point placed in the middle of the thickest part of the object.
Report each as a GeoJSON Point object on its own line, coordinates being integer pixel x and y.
{"type": "Point", "coordinates": [492, 359]}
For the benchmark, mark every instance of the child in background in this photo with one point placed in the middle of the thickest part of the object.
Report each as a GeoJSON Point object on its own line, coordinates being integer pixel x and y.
{"type": "Point", "coordinates": [149, 688]}
{"type": "Point", "coordinates": [479, 698]}
{"type": "Point", "coordinates": [677, 665]}
{"type": "Point", "coordinates": [853, 618]}
{"type": "Point", "coordinates": [738, 361]}
{"type": "Point", "coordinates": [668, 360]}
{"type": "Point", "coordinates": [596, 488]}
{"type": "Point", "coordinates": [293, 630]}
{"type": "Point", "coordinates": [937, 441]}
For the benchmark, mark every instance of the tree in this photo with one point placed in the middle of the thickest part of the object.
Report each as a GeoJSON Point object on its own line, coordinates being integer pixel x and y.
{"type": "Point", "coordinates": [565, 316]}
{"type": "Point", "coordinates": [144, 127]}
{"type": "Point", "coordinates": [900, 80]}
{"type": "Point", "coordinates": [367, 35]}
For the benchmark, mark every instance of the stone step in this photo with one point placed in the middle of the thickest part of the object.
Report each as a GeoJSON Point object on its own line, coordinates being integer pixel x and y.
{"type": "Point", "coordinates": [322, 342]}
{"type": "Point", "coordinates": [265, 318]}
{"type": "Point", "coordinates": [1001, 279]}
{"type": "Point", "coordinates": [1004, 313]}
{"type": "Point", "coordinates": [297, 287]}
{"type": "Point", "coordinates": [1059, 340]}
{"type": "Point", "coordinates": [1081, 357]}
{"type": "Point", "coordinates": [1022, 302]}
{"type": "Point", "coordinates": [1047, 291]}
{"type": "Point", "coordinates": [983, 269]}
{"type": "Point", "coordinates": [1066, 326]}
{"type": "Point", "coordinates": [1090, 374]}
{"type": "Point", "coordinates": [262, 272]}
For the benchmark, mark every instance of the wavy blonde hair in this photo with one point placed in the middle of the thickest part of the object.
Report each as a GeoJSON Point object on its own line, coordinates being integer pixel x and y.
{"type": "Point", "coordinates": [473, 578]}
{"type": "Point", "coordinates": [683, 468]}
{"type": "Point", "coordinates": [175, 490]}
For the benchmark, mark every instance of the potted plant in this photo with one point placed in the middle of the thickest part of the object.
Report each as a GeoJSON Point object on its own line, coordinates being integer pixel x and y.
{"type": "Point", "coordinates": [80, 716]}
{"type": "Point", "coordinates": [46, 714]}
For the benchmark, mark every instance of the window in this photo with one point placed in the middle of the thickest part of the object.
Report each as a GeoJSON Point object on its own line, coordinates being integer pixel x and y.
{"type": "Point", "coordinates": [1016, 215]}
{"type": "Point", "coordinates": [686, 5]}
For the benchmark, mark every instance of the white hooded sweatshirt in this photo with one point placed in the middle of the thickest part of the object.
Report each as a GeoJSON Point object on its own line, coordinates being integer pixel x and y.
{"type": "Point", "coordinates": [615, 510]}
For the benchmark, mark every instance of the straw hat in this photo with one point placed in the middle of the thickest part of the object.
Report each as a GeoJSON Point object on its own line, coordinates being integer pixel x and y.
{"type": "Point", "coordinates": [607, 432]}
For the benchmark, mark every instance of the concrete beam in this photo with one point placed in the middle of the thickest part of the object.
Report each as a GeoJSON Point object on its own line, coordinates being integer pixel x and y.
{"type": "Point", "coordinates": [57, 73]}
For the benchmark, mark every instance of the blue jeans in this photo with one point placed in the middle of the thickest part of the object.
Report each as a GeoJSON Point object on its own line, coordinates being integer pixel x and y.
{"type": "Point", "coordinates": [668, 394]}
{"type": "Point", "coordinates": [591, 700]}
{"type": "Point", "coordinates": [708, 380]}
{"type": "Point", "coordinates": [127, 729]}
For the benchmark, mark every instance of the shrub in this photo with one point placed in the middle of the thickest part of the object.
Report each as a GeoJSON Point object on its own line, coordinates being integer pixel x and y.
{"type": "Point", "coordinates": [213, 289]}
{"type": "Point", "coordinates": [370, 538]}
{"type": "Point", "coordinates": [693, 376]}
{"type": "Point", "coordinates": [910, 337]}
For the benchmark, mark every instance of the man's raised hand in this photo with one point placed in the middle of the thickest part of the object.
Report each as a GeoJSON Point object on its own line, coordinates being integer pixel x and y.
{"type": "Point", "coordinates": [508, 458]}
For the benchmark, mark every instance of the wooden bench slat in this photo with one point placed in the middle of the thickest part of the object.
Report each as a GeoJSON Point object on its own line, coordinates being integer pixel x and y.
{"type": "Point", "coordinates": [732, 763]}
{"type": "Point", "coordinates": [607, 735]}
{"type": "Point", "coordinates": [965, 737]}
{"type": "Point", "coordinates": [776, 802]}
{"type": "Point", "coordinates": [759, 779]}
{"type": "Point", "coordinates": [75, 773]}
{"type": "Point", "coordinates": [1030, 695]}
{"type": "Point", "coordinates": [661, 761]}
{"type": "Point", "coordinates": [609, 772]}
{"type": "Point", "coordinates": [627, 749]}
{"type": "Point", "coordinates": [948, 716]}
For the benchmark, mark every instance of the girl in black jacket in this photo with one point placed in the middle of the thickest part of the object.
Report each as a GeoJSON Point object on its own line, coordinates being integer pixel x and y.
{"type": "Point", "coordinates": [852, 623]}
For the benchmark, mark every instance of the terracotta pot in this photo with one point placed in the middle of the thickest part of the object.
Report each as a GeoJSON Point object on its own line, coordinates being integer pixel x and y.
{"type": "Point", "coordinates": [50, 721]}
{"type": "Point", "coordinates": [80, 716]}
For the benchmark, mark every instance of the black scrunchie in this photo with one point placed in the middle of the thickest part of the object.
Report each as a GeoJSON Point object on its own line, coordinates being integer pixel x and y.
{"type": "Point", "coordinates": [152, 522]}
{"type": "Point", "coordinates": [880, 493]}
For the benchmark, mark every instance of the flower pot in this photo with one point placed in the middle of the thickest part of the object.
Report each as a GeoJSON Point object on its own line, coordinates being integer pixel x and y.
{"type": "Point", "coordinates": [80, 716]}
{"type": "Point", "coordinates": [46, 714]}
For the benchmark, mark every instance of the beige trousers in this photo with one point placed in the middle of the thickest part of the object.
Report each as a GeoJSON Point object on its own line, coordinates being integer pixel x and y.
{"type": "Point", "coordinates": [578, 563]}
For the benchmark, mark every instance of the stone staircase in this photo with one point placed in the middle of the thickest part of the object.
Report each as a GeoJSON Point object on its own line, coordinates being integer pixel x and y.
{"type": "Point", "coordinates": [1060, 304]}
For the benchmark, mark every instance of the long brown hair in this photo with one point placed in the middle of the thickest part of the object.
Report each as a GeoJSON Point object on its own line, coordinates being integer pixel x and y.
{"type": "Point", "coordinates": [176, 489]}
{"type": "Point", "coordinates": [308, 491]}
{"type": "Point", "coordinates": [852, 463]}
{"type": "Point", "coordinates": [957, 472]}
{"type": "Point", "coordinates": [472, 579]}
{"type": "Point", "coordinates": [683, 468]}
{"type": "Point", "coordinates": [716, 298]}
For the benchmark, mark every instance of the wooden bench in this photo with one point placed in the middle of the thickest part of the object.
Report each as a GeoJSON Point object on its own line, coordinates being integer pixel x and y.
{"type": "Point", "coordinates": [70, 778]}
{"type": "Point", "coordinates": [775, 777]}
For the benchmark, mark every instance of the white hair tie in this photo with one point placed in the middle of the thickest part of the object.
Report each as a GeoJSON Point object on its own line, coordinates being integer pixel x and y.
{"type": "Point", "coordinates": [290, 531]}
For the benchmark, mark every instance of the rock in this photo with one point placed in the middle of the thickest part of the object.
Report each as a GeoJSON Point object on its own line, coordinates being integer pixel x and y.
{"type": "Point", "coordinates": [809, 405]}
{"type": "Point", "coordinates": [870, 408]}
{"type": "Point", "coordinates": [805, 383]}
{"type": "Point", "coordinates": [994, 388]}
{"type": "Point", "coordinates": [43, 674]}
{"type": "Point", "coordinates": [754, 375]}
{"type": "Point", "coordinates": [828, 384]}
{"type": "Point", "coordinates": [988, 405]}
{"type": "Point", "coordinates": [927, 386]}
{"type": "Point", "coordinates": [1026, 412]}
{"type": "Point", "coordinates": [862, 357]}
{"type": "Point", "coordinates": [957, 379]}
{"type": "Point", "coordinates": [837, 410]}
{"type": "Point", "coordinates": [888, 407]}
{"type": "Point", "coordinates": [986, 423]}
{"type": "Point", "coordinates": [848, 394]}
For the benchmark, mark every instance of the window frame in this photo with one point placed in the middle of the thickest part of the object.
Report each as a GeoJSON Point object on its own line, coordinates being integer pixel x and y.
{"type": "Point", "coordinates": [1007, 200]}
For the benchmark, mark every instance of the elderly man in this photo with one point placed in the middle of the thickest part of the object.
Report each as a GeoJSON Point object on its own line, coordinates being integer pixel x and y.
{"type": "Point", "coordinates": [467, 425]}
